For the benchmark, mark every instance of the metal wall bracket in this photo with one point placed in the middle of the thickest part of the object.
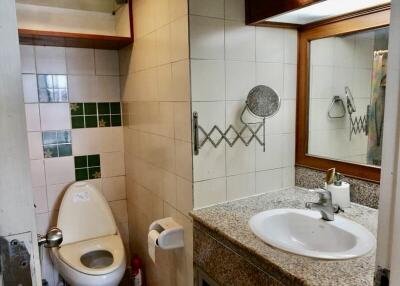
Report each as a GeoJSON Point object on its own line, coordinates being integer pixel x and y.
{"type": "Point", "coordinates": [223, 135]}
{"type": "Point", "coordinates": [358, 124]}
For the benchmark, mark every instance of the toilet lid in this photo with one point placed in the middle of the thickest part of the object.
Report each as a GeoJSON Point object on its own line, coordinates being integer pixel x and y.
{"type": "Point", "coordinates": [75, 254]}
{"type": "Point", "coordinates": [84, 214]}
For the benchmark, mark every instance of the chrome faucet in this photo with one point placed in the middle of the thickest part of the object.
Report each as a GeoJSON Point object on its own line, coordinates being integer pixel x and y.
{"type": "Point", "coordinates": [324, 205]}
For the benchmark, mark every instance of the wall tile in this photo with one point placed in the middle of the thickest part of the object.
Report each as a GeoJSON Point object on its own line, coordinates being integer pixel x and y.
{"type": "Point", "coordinates": [179, 39]}
{"type": "Point", "coordinates": [290, 82]}
{"type": "Point", "coordinates": [94, 88]}
{"type": "Point", "coordinates": [235, 10]}
{"type": "Point", "coordinates": [272, 157]}
{"type": "Point", "coordinates": [182, 121]}
{"type": "Point", "coordinates": [50, 60]}
{"type": "Point", "coordinates": [288, 177]}
{"type": "Point", "coordinates": [240, 158]}
{"type": "Point", "coordinates": [37, 173]}
{"type": "Point", "coordinates": [32, 117]}
{"type": "Point", "coordinates": [239, 41]}
{"type": "Point", "coordinates": [35, 145]}
{"type": "Point", "coordinates": [291, 46]}
{"type": "Point", "coordinates": [80, 61]}
{"type": "Point", "coordinates": [55, 116]}
{"type": "Point", "coordinates": [270, 46]}
{"type": "Point", "coordinates": [183, 155]}
{"type": "Point", "coordinates": [209, 8]}
{"type": "Point", "coordinates": [209, 192]}
{"type": "Point", "coordinates": [106, 62]}
{"type": "Point", "coordinates": [164, 82]}
{"type": "Point", "coordinates": [208, 80]}
{"type": "Point", "coordinates": [177, 8]}
{"type": "Point", "coordinates": [119, 210]}
{"type": "Point", "coordinates": [28, 64]}
{"type": "Point", "coordinates": [267, 181]}
{"type": "Point", "coordinates": [206, 38]}
{"type": "Point", "coordinates": [114, 188]}
{"type": "Point", "coordinates": [184, 196]}
{"type": "Point", "coordinates": [240, 79]}
{"type": "Point", "coordinates": [241, 186]}
{"type": "Point", "coordinates": [112, 164]}
{"type": "Point", "coordinates": [163, 44]}
{"type": "Point", "coordinates": [181, 81]}
{"type": "Point", "coordinates": [272, 75]}
{"type": "Point", "coordinates": [210, 163]}
{"type": "Point", "coordinates": [59, 170]}
{"type": "Point", "coordinates": [161, 8]}
{"type": "Point", "coordinates": [55, 194]}
{"type": "Point", "coordinates": [30, 90]}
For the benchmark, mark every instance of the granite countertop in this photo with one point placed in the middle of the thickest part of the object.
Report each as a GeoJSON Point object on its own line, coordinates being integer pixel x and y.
{"type": "Point", "coordinates": [230, 221]}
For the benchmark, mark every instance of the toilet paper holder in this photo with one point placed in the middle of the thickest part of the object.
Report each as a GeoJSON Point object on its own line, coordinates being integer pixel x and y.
{"type": "Point", "coordinates": [170, 233]}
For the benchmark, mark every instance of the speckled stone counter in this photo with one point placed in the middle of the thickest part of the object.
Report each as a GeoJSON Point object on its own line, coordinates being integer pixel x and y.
{"type": "Point", "coordinates": [223, 230]}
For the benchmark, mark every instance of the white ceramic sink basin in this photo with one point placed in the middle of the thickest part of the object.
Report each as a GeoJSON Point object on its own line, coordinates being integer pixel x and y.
{"type": "Point", "coordinates": [303, 232]}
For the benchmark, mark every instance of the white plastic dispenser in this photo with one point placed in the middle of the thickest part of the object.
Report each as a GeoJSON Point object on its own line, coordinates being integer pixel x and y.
{"type": "Point", "coordinates": [166, 234]}
{"type": "Point", "coordinates": [340, 191]}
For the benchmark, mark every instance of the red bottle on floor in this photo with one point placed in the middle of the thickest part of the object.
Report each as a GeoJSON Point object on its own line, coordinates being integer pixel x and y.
{"type": "Point", "coordinates": [137, 274]}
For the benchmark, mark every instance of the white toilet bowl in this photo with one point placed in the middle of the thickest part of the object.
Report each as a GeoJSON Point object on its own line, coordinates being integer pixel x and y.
{"type": "Point", "coordinates": [92, 252]}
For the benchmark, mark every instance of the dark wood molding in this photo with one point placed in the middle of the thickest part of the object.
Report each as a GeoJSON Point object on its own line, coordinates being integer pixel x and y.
{"type": "Point", "coordinates": [259, 10]}
{"type": "Point", "coordinates": [364, 21]}
{"type": "Point", "coordinates": [65, 39]}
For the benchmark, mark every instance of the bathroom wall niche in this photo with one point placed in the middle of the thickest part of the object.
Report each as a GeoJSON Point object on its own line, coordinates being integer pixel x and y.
{"type": "Point", "coordinates": [341, 92]}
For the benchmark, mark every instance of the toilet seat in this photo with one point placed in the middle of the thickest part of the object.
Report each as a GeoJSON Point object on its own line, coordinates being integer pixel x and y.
{"type": "Point", "coordinates": [71, 254]}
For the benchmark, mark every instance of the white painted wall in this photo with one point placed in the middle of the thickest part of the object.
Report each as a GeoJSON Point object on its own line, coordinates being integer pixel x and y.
{"type": "Point", "coordinates": [229, 58]}
{"type": "Point", "coordinates": [16, 202]}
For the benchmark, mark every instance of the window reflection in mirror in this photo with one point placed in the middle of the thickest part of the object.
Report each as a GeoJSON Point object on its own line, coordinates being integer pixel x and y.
{"type": "Point", "coordinates": [347, 96]}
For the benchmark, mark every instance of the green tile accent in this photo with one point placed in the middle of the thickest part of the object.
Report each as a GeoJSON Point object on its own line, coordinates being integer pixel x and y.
{"type": "Point", "coordinates": [104, 121]}
{"type": "Point", "coordinates": [87, 167]}
{"type": "Point", "coordinates": [81, 174]}
{"type": "Point", "coordinates": [93, 160]}
{"type": "Point", "coordinates": [76, 108]}
{"type": "Point", "coordinates": [94, 173]}
{"type": "Point", "coordinates": [116, 120]}
{"type": "Point", "coordinates": [90, 121]}
{"type": "Point", "coordinates": [78, 122]}
{"type": "Point", "coordinates": [64, 150]}
{"type": "Point", "coordinates": [50, 151]}
{"type": "Point", "coordinates": [103, 107]}
{"type": "Point", "coordinates": [115, 108]}
{"type": "Point", "coordinates": [80, 161]}
{"type": "Point", "coordinates": [90, 108]}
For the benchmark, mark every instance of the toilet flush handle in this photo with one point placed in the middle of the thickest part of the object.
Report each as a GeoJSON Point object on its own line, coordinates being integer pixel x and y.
{"type": "Point", "coordinates": [53, 238]}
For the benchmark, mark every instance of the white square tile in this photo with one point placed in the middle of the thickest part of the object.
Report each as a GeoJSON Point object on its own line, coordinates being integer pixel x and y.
{"type": "Point", "coordinates": [32, 117]}
{"type": "Point", "coordinates": [272, 75]}
{"type": "Point", "coordinates": [344, 51]}
{"type": "Point", "coordinates": [322, 52]}
{"type": "Point", "coordinates": [80, 61]}
{"type": "Point", "coordinates": [235, 10]}
{"type": "Point", "coordinates": [27, 59]}
{"type": "Point", "coordinates": [37, 173]}
{"type": "Point", "coordinates": [209, 8]}
{"type": "Point", "coordinates": [59, 170]}
{"type": "Point", "coordinates": [209, 192]}
{"type": "Point", "coordinates": [210, 163]}
{"type": "Point", "coordinates": [288, 176]}
{"type": "Point", "coordinates": [272, 157]}
{"type": "Point", "coordinates": [208, 80]}
{"type": "Point", "coordinates": [207, 38]}
{"type": "Point", "coordinates": [29, 87]}
{"type": "Point", "coordinates": [42, 223]}
{"type": "Point", "coordinates": [97, 140]}
{"type": "Point", "coordinates": [291, 46]}
{"type": "Point", "coordinates": [241, 186]}
{"type": "Point", "coordinates": [35, 145]}
{"type": "Point", "coordinates": [81, 88]}
{"type": "Point", "coordinates": [107, 89]}
{"type": "Point", "coordinates": [239, 41]}
{"type": "Point", "coordinates": [106, 62]}
{"type": "Point", "coordinates": [55, 116]}
{"type": "Point", "coordinates": [288, 149]}
{"type": "Point", "coordinates": [270, 44]}
{"type": "Point", "coordinates": [114, 188]}
{"type": "Point", "coordinates": [240, 79]}
{"type": "Point", "coordinates": [267, 181]}
{"type": "Point", "coordinates": [290, 82]}
{"type": "Point", "coordinates": [55, 194]}
{"type": "Point", "coordinates": [240, 158]}
{"type": "Point", "coordinates": [210, 113]}
{"type": "Point", "coordinates": [321, 82]}
{"type": "Point", "coordinates": [289, 116]}
{"type": "Point", "coordinates": [119, 210]}
{"type": "Point", "coordinates": [40, 199]}
{"type": "Point", "coordinates": [112, 164]}
{"type": "Point", "coordinates": [184, 195]}
{"type": "Point", "coordinates": [50, 60]}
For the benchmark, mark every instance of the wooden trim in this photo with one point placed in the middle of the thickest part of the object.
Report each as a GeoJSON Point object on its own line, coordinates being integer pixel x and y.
{"type": "Point", "coordinates": [362, 22]}
{"type": "Point", "coordinates": [277, 25]}
{"type": "Point", "coordinates": [65, 39]}
{"type": "Point", "coordinates": [259, 10]}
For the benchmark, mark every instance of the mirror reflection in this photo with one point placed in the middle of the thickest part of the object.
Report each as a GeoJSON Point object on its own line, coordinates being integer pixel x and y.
{"type": "Point", "coordinates": [347, 96]}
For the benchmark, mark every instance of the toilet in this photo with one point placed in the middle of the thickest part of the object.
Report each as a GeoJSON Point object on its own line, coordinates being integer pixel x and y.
{"type": "Point", "coordinates": [92, 252]}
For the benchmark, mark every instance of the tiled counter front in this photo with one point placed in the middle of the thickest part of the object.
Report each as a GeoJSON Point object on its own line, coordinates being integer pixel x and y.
{"type": "Point", "coordinates": [72, 103]}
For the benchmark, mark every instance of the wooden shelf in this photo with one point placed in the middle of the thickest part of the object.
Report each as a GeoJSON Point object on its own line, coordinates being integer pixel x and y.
{"type": "Point", "coordinates": [61, 39]}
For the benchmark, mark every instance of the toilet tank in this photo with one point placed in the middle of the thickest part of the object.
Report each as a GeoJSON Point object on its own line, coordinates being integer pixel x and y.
{"type": "Point", "coordinates": [84, 214]}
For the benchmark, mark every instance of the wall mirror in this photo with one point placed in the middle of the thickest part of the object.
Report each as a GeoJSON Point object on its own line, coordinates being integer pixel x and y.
{"type": "Point", "coordinates": [341, 93]}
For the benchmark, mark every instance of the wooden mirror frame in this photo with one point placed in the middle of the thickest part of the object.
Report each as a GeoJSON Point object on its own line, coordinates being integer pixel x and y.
{"type": "Point", "coordinates": [377, 17]}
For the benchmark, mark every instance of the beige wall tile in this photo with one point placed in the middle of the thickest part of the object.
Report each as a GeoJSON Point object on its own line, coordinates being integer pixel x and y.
{"type": "Point", "coordinates": [119, 210]}
{"type": "Point", "coordinates": [112, 164]}
{"type": "Point", "coordinates": [80, 61]}
{"type": "Point", "coordinates": [181, 81]}
{"type": "Point", "coordinates": [114, 188]}
{"type": "Point", "coordinates": [59, 170]}
{"type": "Point", "coordinates": [179, 39]}
{"type": "Point", "coordinates": [182, 121]}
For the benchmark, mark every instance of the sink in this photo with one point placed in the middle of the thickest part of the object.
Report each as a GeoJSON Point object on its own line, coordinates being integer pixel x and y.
{"type": "Point", "coordinates": [303, 232]}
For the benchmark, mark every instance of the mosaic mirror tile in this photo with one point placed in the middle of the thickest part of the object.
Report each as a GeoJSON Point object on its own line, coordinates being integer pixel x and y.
{"type": "Point", "coordinates": [92, 115]}
{"type": "Point", "coordinates": [52, 88]}
{"type": "Point", "coordinates": [87, 167]}
{"type": "Point", "coordinates": [57, 143]}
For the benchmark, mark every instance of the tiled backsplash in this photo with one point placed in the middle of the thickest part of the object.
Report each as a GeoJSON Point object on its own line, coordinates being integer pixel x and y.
{"type": "Point", "coordinates": [54, 80]}
{"type": "Point", "coordinates": [228, 59]}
